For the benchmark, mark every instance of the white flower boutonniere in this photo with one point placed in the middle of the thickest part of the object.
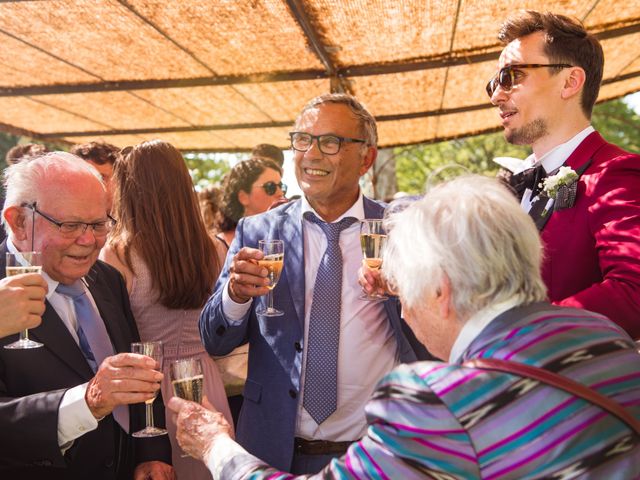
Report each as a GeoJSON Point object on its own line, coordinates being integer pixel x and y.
{"type": "Point", "coordinates": [562, 188]}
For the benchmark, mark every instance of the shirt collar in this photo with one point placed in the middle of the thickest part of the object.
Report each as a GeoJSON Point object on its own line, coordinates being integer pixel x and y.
{"type": "Point", "coordinates": [356, 210]}
{"type": "Point", "coordinates": [474, 326]}
{"type": "Point", "coordinates": [556, 157]}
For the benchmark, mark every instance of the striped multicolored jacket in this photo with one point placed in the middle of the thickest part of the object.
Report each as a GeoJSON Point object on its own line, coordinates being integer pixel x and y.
{"type": "Point", "coordinates": [441, 421]}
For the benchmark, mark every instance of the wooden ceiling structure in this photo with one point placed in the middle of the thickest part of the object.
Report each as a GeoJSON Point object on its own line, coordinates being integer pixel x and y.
{"type": "Point", "coordinates": [224, 75]}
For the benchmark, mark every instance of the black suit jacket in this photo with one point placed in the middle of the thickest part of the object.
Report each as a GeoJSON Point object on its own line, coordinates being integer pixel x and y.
{"type": "Point", "coordinates": [32, 383]}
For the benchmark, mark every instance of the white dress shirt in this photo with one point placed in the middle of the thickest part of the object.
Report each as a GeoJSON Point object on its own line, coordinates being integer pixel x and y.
{"type": "Point", "coordinates": [551, 161]}
{"type": "Point", "coordinates": [367, 349]}
{"type": "Point", "coordinates": [74, 417]}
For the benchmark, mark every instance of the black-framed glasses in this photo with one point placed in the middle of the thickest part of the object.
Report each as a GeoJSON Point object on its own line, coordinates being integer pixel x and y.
{"type": "Point", "coordinates": [328, 144]}
{"type": "Point", "coordinates": [270, 188]}
{"type": "Point", "coordinates": [75, 229]}
{"type": "Point", "coordinates": [506, 77]}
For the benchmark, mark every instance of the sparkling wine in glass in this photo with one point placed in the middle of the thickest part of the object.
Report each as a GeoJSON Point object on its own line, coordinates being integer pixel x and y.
{"type": "Point", "coordinates": [273, 261]}
{"type": "Point", "coordinates": [187, 379]}
{"type": "Point", "coordinates": [17, 263]}
{"type": "Point", "coordinates": [153, 350]}
{"type": "Point", "coordinates": [373, 239]}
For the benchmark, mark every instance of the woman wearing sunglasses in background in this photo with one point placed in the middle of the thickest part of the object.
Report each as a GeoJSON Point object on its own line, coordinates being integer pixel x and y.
{"type": "Point", "coordinates": [251, 187]}
{"type": "Point", "coordinates": [170, 263]}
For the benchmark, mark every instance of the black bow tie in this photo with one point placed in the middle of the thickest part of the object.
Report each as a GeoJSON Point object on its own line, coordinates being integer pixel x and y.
{"type": "Point", "coordinates": [530, 178]}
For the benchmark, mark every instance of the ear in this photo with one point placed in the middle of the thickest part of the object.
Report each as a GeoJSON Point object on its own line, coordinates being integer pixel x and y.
{"type": "Point", "coordinates": [17, 221]}
{"type": "Point", "coordinates": [444, 297]}
{"type": "Point", "coordinates": [243, 198]}
{"type": "Point", "coordinates": [368, 160]}
{"type": "Point", "coordinates": [573, 83]}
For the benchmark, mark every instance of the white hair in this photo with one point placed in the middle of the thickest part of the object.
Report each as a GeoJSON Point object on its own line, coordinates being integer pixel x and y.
{"type": "Point", "coordinates": [24, 180]}
{"type": "Point", "coordinates": [473, 232]}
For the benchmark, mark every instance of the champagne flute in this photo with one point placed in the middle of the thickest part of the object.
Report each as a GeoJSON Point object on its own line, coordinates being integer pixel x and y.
{"type": "Point", "coordinates": [273, 261]}
{"type": "Point", "coordinates": [187, 379]}
{"type": "Point", "coordinates": [373, 238]}
{"type": "Point", "coordinates": [153, 350]}
{"type": "Point", "coordinates": [17, 263]}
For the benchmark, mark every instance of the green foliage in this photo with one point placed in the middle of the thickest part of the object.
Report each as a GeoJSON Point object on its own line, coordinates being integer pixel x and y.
{"type": "Point", "coordinates": [209, 168]}
{"type": "Point", "coordinates": [618, 124]}
{"type": "Point", "coordinates": [417, 166]}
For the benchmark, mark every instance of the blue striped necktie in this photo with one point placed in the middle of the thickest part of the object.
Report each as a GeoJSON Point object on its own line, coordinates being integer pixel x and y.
{"type": "Point", "coordinates": [321, 369]}
{"type": "Point", "coordinates": [93, 338]}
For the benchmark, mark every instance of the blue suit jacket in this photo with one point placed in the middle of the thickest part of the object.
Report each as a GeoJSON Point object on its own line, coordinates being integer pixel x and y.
{"type": "Point", "coordinates": [266, 425]}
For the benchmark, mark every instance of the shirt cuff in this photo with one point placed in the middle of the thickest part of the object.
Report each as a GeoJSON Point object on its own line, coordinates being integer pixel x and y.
{"type": "Point", "coordinates": [74, 417]}
{"type": "Point", "coordinates": [234, 312]}
{"type": "Point", "coordinates": [223, 450]}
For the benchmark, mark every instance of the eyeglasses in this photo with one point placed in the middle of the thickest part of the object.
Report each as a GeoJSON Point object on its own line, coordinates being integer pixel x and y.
{"type": "Point", "coordinates": [270, 188]}
{"type": "Point", "coordinates": [75, 229]}
{"type": "Point", "coordinates": [507, 76]}
{"type": "Point", "coordinates": [328, 144]}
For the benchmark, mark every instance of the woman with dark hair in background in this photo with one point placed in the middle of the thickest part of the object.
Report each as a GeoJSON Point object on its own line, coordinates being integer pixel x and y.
{"type": "Point", "coordinates": [251, 187]}
{"type": "Point", "coordinates": [170, 264]}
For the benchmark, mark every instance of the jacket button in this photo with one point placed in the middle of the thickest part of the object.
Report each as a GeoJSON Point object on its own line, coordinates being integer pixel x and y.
{"type": "Point", "coordinates": [220, 330]}
{"type": "Point", "coordinates": [108, 462]}
{"type": "Point", "coordinates": [297, 346]}
{"type": "Point", "coordinates": [292, 393]}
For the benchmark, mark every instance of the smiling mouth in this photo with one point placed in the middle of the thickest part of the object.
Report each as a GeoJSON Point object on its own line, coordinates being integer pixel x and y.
{"type": "Point", "coordinates": [505, 115]}
{"type": "Point", "coordinates": [315, 172]}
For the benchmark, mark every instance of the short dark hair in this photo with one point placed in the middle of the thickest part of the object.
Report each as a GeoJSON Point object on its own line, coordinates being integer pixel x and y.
{"type": "Point", "coordinates": [566, 41]}
{"type": "Point", "coordinates": [25, 150]}
{"type": "Point", "coordinates": [97, 152]}
{"type": "Point", "coordinates": [269, 152]}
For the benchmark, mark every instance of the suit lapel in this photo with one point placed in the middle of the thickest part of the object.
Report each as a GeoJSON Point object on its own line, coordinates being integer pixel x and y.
{"type": "Point", "coordinates": [587, 148]}
{"type": "Point", "coordinates": [109, 312]}
{"type": "Point", "coordinates": [290, 227]}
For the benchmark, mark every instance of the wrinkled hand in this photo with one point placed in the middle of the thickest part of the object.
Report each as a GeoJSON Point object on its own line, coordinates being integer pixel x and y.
{"type": "Point", "coordinates": [247, 279]}
{"type": "Point", "coordinates": [372, 281]}
{"type": "Point", "coordinates": [21, 302]}
{"type": "Point", "coordinates": [120, 380]}
{"type": "Point", "coordinates": [154, 471]}
{"type": "Point", "coordinates": [198, 427]}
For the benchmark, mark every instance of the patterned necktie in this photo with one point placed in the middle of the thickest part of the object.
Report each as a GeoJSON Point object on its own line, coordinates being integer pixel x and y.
{"type": "Point", "coordinates": [530, 178]}
{"type": "Point", "coordinates": [93, 337]}
{"type": "Point", "coordinates": [321, 369]}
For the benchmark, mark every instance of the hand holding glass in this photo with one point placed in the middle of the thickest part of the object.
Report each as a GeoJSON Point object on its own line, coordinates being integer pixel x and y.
{"type": "Point", "coordinates": [373, 239]}
{"type": "Point", "coordinates": [153, 350]}
{"type": "Point", "coordinates": [17, 263]}
{"type": "Point", "coordinates": [273, 261]}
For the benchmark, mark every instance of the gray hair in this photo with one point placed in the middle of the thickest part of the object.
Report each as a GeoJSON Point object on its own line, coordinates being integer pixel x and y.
{"type": "Point", "coordinates": [24, 180]}
{"type": "Point", "coordinates": [473, 232]}
{"type": "Point", "coordinates": [368, 126]}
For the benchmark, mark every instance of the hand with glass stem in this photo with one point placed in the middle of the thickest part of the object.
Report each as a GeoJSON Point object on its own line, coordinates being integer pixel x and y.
{"type": "Point", "coordinates": [372, 281]}
{"type": "Point", "coordinates": [247, 279]}
{"type": "Point", "coordinates": [21, 302]}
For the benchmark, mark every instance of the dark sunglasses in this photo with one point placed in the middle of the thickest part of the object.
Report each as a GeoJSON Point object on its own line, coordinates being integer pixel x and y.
{"type": "Point", "coordinates": [507, 75]}
{"type": "Point", "coordinates": [270, 188]}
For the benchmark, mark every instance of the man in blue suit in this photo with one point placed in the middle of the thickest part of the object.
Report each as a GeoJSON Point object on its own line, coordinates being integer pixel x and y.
{"type": "Point", "coordinates": [341, 342]}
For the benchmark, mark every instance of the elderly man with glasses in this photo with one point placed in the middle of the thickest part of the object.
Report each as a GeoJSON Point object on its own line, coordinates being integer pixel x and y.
{"type": "Point", "coordinates": [312, 369]}
{"type": "Point", "coordinates": [581, 191]}
{"type": "Point", "coordinates": [64, 407]}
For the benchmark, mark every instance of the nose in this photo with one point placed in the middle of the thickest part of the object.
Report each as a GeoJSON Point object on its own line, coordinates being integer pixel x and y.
{"type": "Point", "coordinates": [87, 237]}
{"type": "Point", "coordinates": [499, 96]}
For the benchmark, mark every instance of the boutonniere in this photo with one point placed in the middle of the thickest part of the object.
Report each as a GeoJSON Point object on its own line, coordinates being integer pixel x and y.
{"type": "Point", "coordinates": [562, 188]}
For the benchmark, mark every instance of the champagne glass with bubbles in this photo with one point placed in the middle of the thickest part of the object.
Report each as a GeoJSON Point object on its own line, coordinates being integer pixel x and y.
{"type": "Point", "coordinates": [187, 379]}
{"type": "Point", "coordinates": [17, 263]}
{"type": "Point", "coordinates": [273, 261]}
{"type": "Point", "coordinates": [153, 350]}
{"type": "Point", "coordinates": [373, 239]}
